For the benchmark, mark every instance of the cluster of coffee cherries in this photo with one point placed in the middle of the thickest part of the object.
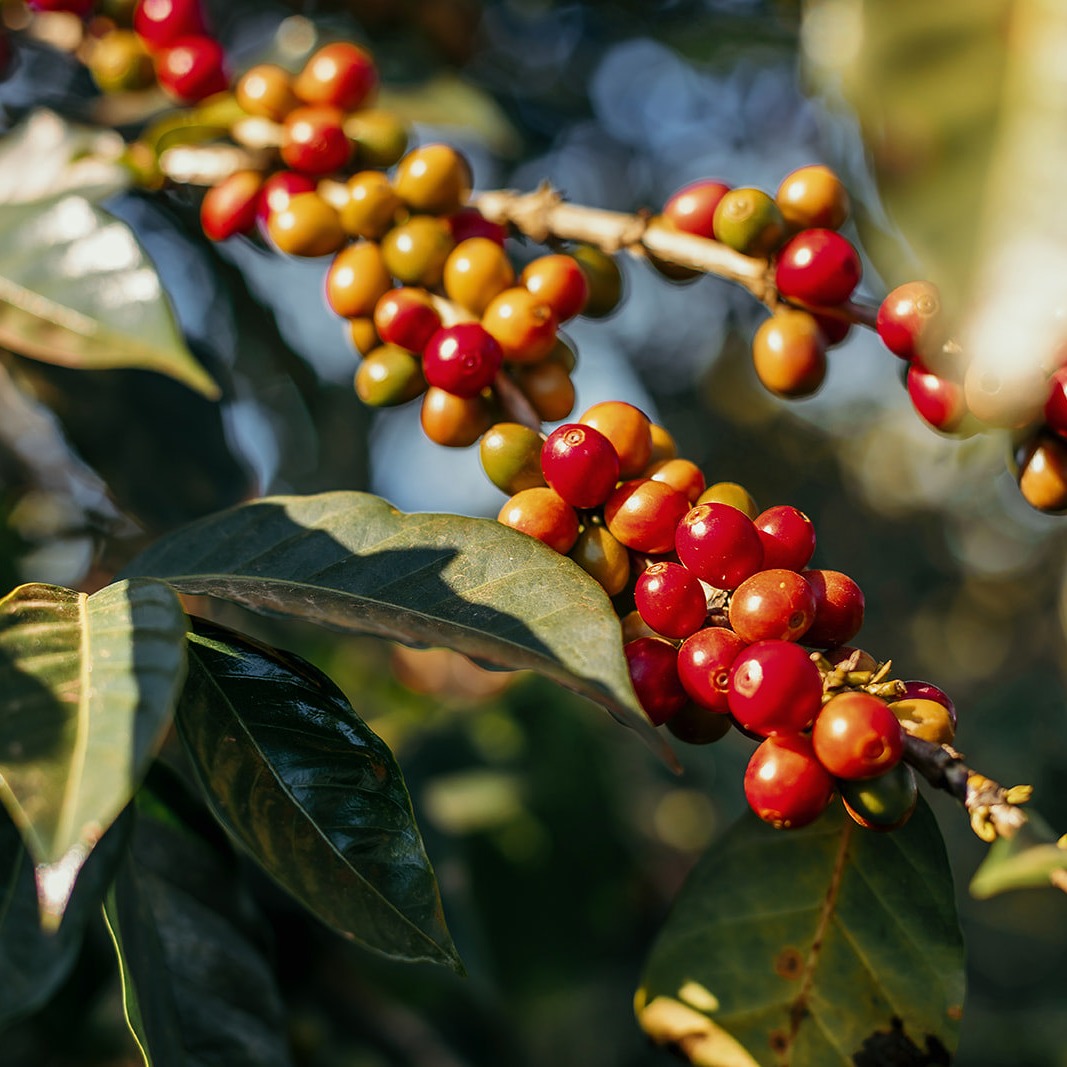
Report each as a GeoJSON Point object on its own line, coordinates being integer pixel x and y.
{"type": "Point", "coordinates": [726, 626]}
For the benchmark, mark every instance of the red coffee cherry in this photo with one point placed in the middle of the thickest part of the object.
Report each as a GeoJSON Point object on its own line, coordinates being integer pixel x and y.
{"type": "Point", "coordinates": [839, 608]}
{"type": "Point", "coordinates": [559, 282]}
{"type": "Point", "coordinates": [696, 725]}
{"type": "Point", "coordinates": [773, 604]}
{"type": "Point", "coordinates": [581, 464]}
{"type": "Point", "coordinates": [339, 74]}
{"type": "Point", "coordinates": [406, 317]}
{"type": "Point", "coordinates": [939, 402]}
{"type": "Point", "coordinates": [542, 513]}
{"type": "Point", "coordinates": [788, 537]}
{"type": "Point", "coordinates": [775, 688]}
{"type": "Point", "coordinates": [719, 544]}
{"type": "Point", "coordinates": [462, 359]}
{"type": "Point", "coordinates": [856, 735]}
{"type": "Point", "coordinates": [81, 8]}
{"type": "Point", "coordinates": [470, 222]}
{"type": "Point", "coordinates": [192, 68]}
{"type": "Point", "coordinates": [789, 353]}
{"type": "Point", "coordinates": [910, 322]}
{"type": "Point", "coordinates": [230, 207]}
{"type": "Point", "coordinates": [784, 783]}
{"type": "Point", "coordinates": [654, 674]}
{"type": "Point", "coordinates": [644, 514]}
{"type": "Point", "coordinates": [160, 23]}
{"type": "Point", "coordinates": [914, 689]}
{"type": "Point", "coordinates": [692, 208]}
{"type": "Point", "coordinates": [1056, 405]}
{"type": "Point", "coordinates": [813, 196]}
{"type": "Point", "coordinates": [279, 189]}
{"type": "Point", "coordinates": [627, 428]}
{"type": "Point", "coordinates": [314, 141]}
{"type": "Point", "coordinates": [671, 600]}
{"type": "Point", "coordinates": [883, 803]}
{"type": "Point", "coordinates": [704, 663]}
{"type": "Point", "coordinates": [819, 267]}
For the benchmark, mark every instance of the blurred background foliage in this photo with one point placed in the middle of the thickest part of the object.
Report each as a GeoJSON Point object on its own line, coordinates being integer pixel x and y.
{"type": "Point", "coordinates": [558, 841]}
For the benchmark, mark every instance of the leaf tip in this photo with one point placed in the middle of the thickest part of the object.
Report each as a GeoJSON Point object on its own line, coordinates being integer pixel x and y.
{"type": "Point", "coordinates": [55, 883]}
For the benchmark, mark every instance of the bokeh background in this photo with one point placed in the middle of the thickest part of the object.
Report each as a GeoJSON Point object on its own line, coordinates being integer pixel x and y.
{"type": "Point", "coordinates": [558, 840]}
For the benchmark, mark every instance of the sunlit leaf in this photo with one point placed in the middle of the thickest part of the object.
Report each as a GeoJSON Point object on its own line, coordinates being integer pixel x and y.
{"type": "Point", "coordinates": [312, 793]}
{"type": "Point", "coordinates": [818, 947]}
{"type": "Point", "coordinates": [1029, 860]}
{"type": "Point", "coordinates": [87, 689]}
{"type": "Point", "coordinates": [193, 949]}
{"type": "Point", "coordinates": [352, 562]}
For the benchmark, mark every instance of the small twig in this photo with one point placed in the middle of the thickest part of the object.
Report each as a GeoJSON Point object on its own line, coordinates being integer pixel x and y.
{"type": "Point", "coordinates": [513, 402]}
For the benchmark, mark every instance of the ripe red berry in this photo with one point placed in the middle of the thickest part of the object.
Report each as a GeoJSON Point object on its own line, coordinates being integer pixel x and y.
{"type": "Point", "coordinates": [692, 208]}
{"type": "Point", "coordinates": [80, 8]}
{"type": "Point", "coordinates": [939, 402]}
{"type": "Point", "coordinates": [839, 608]}
{"type": "Point", "coordinates": [1056, 405]}
{"type": "Point", "coordinates": [910, 322]}
{"type": "Point", "coordinates": [559, 282]}
{"type": "Point", "coordinates": [462, 359]}
{"type": "Point", "coordinates": [671, 600]}
{"type": "Point", "coordinates": [470, 222]}
{"type": "Point", "coordinates": [704, 663]}
{"type": "Point", "coordinates": [192, 68]}
{"type": "Point", "coordinates": [314, 141]}
{"type": "Point", "coordinates": [230, 207]}
{"type": "Point", "coordinates": [406, 317]}
{"type": "Point", "coordinates": [644, 515]}
{"type": "Point", "coordinates": [581, 464]}
{"type": "Point", "coordinates": [784, 783]}
{"type": "Point", "coordinates": [775, 688]}
{"type": "Point", "coordinates": [787, 536]}
{"type": "Point", "coordinates": [160, 23]}
{"type": "Point", "coordinates": [719, 544]}
{"type": "Point", "coordinates": [819, 267]}
{"type": "Point", "coordinates": [654, 674]}
{"type": "Point", "coordinates": [339, 74]}
{"type": "Point", "coordinates": [773, 604]}
{"type": "Point", "coordinates": [856, 735]}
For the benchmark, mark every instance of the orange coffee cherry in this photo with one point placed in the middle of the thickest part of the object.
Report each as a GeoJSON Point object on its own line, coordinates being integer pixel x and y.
{"type": "Point", "coordinates": [266, 90]}
{"type": "Point", "coordinates": [603, 557]}
{"type": "Point", "coordinates": [543, 514]}
{"type": "Point", "coordinates": [627, 428]}
{"type": "Point", "coordinates": [813, 197]}
{"type": "Point", "coordinates": [524, 325]}
{"type": "Point", "coordinates": [357, 279]}
{"type": "Point", "coordinates": [434, 178]}
{"type": "Point", "coordinates": [476, 271]}
{"type": "Point", "coordinates": [549, 389]}
{"type": "Point", "coordinates": [560, 282]}
{"type": "Point", "coordinates": [454, 421]}
{"type": "Point", "coordinates": [306, 226]}
{"type": "Point", "coordinates": [789, 353]}
{"type": "Point", "coordinates": [372, 205]}
{"type": "Point", "coordinates": [415, 252]}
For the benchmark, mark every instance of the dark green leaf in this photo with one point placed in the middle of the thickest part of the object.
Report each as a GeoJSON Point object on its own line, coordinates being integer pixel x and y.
{"type": "Point", "coordinates": [193, 948]}
{"type": "Point", "coordinates": [824, 946]}
{"type": "Point", "coordinates": [1029, 860]}
{"type": "Point", "coordinates": [352, 562]}
{"type": "Point", "coordinates": [88, 688]}
{"type": "Point", "coordinates": [312, 793]}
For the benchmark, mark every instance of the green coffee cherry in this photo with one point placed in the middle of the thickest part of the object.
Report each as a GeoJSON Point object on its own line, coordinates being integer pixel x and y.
{"type": "Point", "coordinates": [381, 137]}
{"type": "Point", "coordinates": [511, 457]}
{"type": "Point", "coordinates": [750, 222]}
{"type": "Point", "coordinates": [604, 558]}
{"type": "Point", "coordinates": [882, 803]}
{"type": "Point", "coordinates": [390, 375]}
{"type": "Point", "coordinates": [605, 280]}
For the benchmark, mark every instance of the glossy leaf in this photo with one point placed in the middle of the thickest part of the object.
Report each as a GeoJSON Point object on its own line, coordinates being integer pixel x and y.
{"type": "Point", "coordinates": [77, 290]}
{"type": "Point", "coordinates": [88, 688]}
{"type": "Point", "coordinates": [312, 794]}
{"type": "Point", "coordinates": [193, 949]}
{"type": "Point", "coordinates": [818, 947]}
{"type": "Point", "coordinates": [1031, 859]}
{"type": "Point", "coordinates": [352, 562]}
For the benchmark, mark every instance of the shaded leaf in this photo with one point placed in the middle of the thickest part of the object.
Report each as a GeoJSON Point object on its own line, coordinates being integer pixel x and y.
{"type": "Point", "coordinates": [193, 948]}
{"type": "Point", "coordinates": [88, 687]}
{"type": "Point", "coordinates": [1029, 860]}
{"type": "Point", "coordinates": [815, 947]}
{"type": "Point", "coordinates": [352, 562]}
{"type": "Point", "coordinates": [312, 793]}
{"type": "Point", "coordinates": [76, 289]}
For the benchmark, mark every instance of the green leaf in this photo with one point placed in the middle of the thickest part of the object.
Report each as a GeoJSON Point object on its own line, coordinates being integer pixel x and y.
{"type": "Point", "coordinates": [312, 793]}
{"type": "Point", "coordinates": [88, 688]}
{"type": "Point", "coordinates": [1029, 860]}
{"type": "Point", "coordinates": [824, 946]}
{"type": "Point", "coordinates": [77, 290]}
{"type": "Point", "coordinates": [352, 562]}
{"type": "Point", "coordinates": [34, 962]}
{"type": "Point", "coordinates": [193, 948]}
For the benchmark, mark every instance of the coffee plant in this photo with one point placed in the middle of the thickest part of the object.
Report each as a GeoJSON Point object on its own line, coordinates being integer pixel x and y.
{"type": "Point", "coordinates": [205, 828]}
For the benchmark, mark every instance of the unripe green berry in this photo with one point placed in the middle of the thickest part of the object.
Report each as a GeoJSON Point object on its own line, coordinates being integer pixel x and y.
{"type": "Point", "coordinates": [389, 375]}
{"type": "Point", "coordinates": [750, 222]}
{"type": "Point", "coordinates": [511, 457]}
{"type": "Point", "coordinates": [604, 277]}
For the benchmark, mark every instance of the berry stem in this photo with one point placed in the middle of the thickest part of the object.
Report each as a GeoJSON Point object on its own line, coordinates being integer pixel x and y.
{"type": "Point", "coordinates": [513, 402]}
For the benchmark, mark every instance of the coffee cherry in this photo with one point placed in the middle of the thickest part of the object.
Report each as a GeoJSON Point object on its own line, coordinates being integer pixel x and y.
{"type": "Point", "coordinates": [925, 718]}
{"type": "Point", "coordinates": [415, 251]}
{"type": "Point", "coordinates": [371, 207]}
{"type": "Point", "coordinates": [839, 608]}
{"type": "Point", "coordinates": [773, 604]}
{"type": "Point", "coordinates": [680, 474]}
{"type": "Point", "coordinates": [562, 354]}
{"type": "Point", "coordinates": [313, 140]}
{"type": "Point", "coordinates": [882, 803]}
{"type": "Point", "coordinates": [627, 428]}
{"type": "Point", "coordinates": [454, 421]}
{"type": "Point", "coordinates": [278, 190]}
{"type": "Point", "coordinates": [654, 673]}
{"type": "Point", "coordinates": [470, 222]}
{"type": "Point", "coordinates": [230, 207]}
{"type": "Point", "coordinates": [511, 457]}
{"type": "Point", "coordinates": [938, 401]}
{"type": "Point", "coordinates": [81, 8]}
{"type": "Point", "coordinates": [306, 226]}
{"type": "Point", "coordinates": [643, 515]}
{"type": "Point", "coordinates": [602, 557]}
{"type": "Point", "coordinates": [266, 90]}
{"type": "Point", "coordinates": [191, 69]}
{"type": "Point", "coordinates": [813, 196]}
{"type": "Point", "coordinates": [749, 221]}
{"type": "Point", "coordinates": [910, 322]}
{"type": "Point", "coordinates": [1056, 404]}
{"type": "Point", "coordinates": [664, 446]}
{"type": "Point", "coordinates": [692, 208]}
{"type": "Point", "coordinates": [704, 663]}
{"type": "Point", "coordinates": [916, 689]}
{"type": "Point", "coordinates": [632, 625]}
{"type": "Point", "coordinates": [856, 735]}
{"type": "Point", "coordinates": [388, 376]}
{"type": "Point", "coordinates": [671, 600]}
{"type": "Point", "coordinates": [406, 317]}
{"type": "Point", "coordinates": [834, 330]}
{"type": "Point", "coordinates": [1043, 473]}
{"type": "Point", "coordinates": [737, 496]}
{"type": "Point", "coordinates": [524, 325]}
{"type": "Point", "coordinates": [476, 271]}
{"type": "Point", "coordinates": [697, 725]}
{"type": "Point", "coordinates": [543, 514]}
{"type": "Point", "coordinates": [789, 353]}
{"type": "Point", "coordinates": [788, 537]}
{"type": "Point", "coordinates": [785, 784]}
{"type": "Point", "coordinates": [548, 387]}
{"type": "Point", "coordinates": [119, 62]}
{"type": "Point", "coordinates": [604, 277]}
{"type": "Point", "coordinates": [719, 544]}
{"type": "Point", "coordinates": [817, 266]}
{"type": "Point", "coordinates": [462, 359]}
{"type": "Point", "coordinates": [434, 178]}
{"type": "Point", "coordinates": [774, 688]}
{"type": "Point", "coordinates": [357, 280]}
{"type": "Point", "coordinates": [160, 23]}
{"type": "Point", "coordinates": [363, 335]}
{"type": "Point", "coordinates": [581, 464]}
{"type": "Point", "coordinates": [380, 138]}
{"type": "Point", "coordinates": [339, 74]}
{"type": "Point", "coordinates": [560, 282]}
